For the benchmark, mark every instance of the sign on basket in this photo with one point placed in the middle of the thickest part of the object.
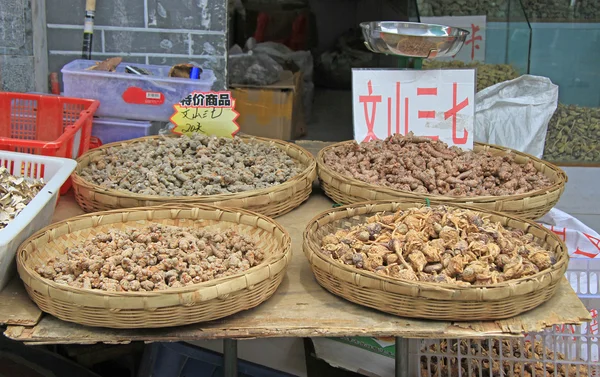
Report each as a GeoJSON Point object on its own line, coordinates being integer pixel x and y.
{"type": "Point", "coordinates": [209, 113]}
{"type": "Point", "coordinates": [474, 48]}
{"type": "Point", "coordinates": [435, 103]}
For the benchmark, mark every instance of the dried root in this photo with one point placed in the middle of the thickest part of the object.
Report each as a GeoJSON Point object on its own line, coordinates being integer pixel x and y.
{"type": "Point", "coordinates": [191, 165]}
{"type": "Point", "coordinates": [439, 244]}
{"type": "Point", "coordinates": [422, 165]}
{"type": "Point", "coordinates": [154, 258]}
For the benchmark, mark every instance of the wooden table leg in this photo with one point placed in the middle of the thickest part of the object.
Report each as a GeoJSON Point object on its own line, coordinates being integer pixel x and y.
{"type": "Point", "coordinates": [230, 358]}
{"type": "Point", "coordinates": [401, 357]}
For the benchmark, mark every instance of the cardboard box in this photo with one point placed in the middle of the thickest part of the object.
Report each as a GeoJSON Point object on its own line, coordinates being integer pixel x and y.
{"type": "Point", "coordinates": [373, 357]}
{"type": "Point", "coordinates": [274, 111]}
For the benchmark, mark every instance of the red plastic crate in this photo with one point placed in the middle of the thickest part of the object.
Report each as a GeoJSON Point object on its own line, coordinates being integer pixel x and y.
{"type": "Point", "coordinates": [46, 125]}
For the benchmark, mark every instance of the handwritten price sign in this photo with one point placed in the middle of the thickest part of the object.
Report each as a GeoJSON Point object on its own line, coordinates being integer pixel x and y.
{"type": "Point", "coordinates": [435, 103]}
{"type": "Point", "coordinates": [209, 113]}
{"type": "Point", "coordinates": [474, 48]}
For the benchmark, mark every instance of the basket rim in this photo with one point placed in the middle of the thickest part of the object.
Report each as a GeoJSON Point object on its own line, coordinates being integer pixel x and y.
{"type": "Point", "coordinates": [309, 168]}
{"type": "Point", "coordinates": [558, 185]}
{"type": "Point", "coordinates": [24, 268]}
{"type": "Point", "coordinates": [561, 264]}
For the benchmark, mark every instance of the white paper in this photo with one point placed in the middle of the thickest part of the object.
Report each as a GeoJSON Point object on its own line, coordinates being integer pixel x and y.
{"type": "Point", "coordinates": [388, 101]}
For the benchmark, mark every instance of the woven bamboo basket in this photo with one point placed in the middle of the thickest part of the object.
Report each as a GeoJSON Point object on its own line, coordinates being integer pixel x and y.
{"type": "Point", "coordinates": [200, 302]}
{"type": "Point", "coordinates": [531, 205]}
{"type": "Point", "coordinates": [423, 299]}
{"type": "Point", "coordinates": [273, 201]}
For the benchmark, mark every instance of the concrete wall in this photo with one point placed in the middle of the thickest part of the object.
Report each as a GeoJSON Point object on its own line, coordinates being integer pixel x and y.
{"type": "Point", "coordinates": [162, 32]}
{"type": "Point", "coordinates": [16, 46]}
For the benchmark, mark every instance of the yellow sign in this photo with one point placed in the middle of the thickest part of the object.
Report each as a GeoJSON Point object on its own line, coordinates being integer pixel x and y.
{"type": "Point", "coordinates": [209, 113]}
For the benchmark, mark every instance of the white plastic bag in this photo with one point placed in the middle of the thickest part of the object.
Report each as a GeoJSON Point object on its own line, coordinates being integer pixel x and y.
{"type": "Point", "coordinates": [581, 240]}
{"type": "Point", "coordinates": [515, 113]}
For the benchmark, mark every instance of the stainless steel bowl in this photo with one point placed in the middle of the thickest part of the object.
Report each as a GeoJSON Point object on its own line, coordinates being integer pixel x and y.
{"type": "Point", "coordinates": [413, 39]}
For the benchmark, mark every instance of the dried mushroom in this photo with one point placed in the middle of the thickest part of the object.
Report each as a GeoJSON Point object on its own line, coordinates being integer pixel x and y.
{"type": "Point", "coordinates": [496, 357]}
{"type": "Point", "coordinates": [15, 194]}
{"type": "Point", "coordinates": [438, 244]}
{"type": "Point", "coordinates": [153, 258]}
{"type": "Point", "coordinates": [487, 74]}
{"type": "Point", "coordinates": [191, 165]}
{"type": "Point", "coordinates": [426, 166]}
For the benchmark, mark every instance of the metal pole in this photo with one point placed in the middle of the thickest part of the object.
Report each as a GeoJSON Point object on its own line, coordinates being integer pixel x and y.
{"type": "Point", "coordinates": [230, 358]}
{"type": "Point", "coordinates": [401, 357]}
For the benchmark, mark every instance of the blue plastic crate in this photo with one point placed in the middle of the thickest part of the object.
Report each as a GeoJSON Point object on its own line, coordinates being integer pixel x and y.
{"type": "Point", "coordinates": [185, 360]}
{"type": "Point", "coordinates": [110, 130]}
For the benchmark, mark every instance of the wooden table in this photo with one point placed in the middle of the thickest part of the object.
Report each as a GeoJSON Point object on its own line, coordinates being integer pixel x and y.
{"type": "Point", "coordinates": [299, 308]}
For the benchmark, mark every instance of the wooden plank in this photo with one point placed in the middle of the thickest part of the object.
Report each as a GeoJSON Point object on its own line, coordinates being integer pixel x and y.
{"type": "Point", "coordinates": [301, 308]}
{"type": "Point", "coordinates": [40, 45]}
{"type": "Point", "coordinates": [15, 306]}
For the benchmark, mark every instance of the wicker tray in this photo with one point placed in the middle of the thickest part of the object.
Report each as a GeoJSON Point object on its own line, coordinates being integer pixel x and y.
{"type": "Point", "coordinates": [172, 307]}
{"type": "Point", "coordinates": [532, 205]}
{"type": "Point", "coordinates": [272, 201]}
{"type": "Point", "coordinates": [423, 299]}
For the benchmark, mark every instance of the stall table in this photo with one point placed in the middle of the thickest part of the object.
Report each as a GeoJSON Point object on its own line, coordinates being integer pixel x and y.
{"type": "Point", "coordinates": [299, 308]}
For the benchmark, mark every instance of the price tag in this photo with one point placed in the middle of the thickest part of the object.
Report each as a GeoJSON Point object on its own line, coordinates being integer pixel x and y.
{"type": "Point", "coordinates": [435, 103]}
{"type": "Point", "coordinates": [474, 47]}
{"type": "Point", "coordinates": [209, 113]}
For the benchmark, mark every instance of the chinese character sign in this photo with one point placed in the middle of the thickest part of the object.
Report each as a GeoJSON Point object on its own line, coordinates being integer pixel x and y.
{"type": "Point", "coordinates": [435, 103]}
{"type": "Point", "coordinates": [210, 113]}
{"type": "Point", "coordinates": [474, 47]}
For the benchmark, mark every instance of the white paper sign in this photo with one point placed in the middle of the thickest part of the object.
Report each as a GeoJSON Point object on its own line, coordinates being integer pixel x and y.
{"type": "Point", "coordinates": [474, 47]}
{"type": "Point", "coordinates": [434, 103]}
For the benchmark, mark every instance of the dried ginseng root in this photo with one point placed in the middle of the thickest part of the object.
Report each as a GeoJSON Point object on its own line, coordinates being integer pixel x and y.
{"type": "Point", "coordinates": [441, 245]}
{"type": "Point", "coordinates": [15, 194]}
{"type": "Point", "coordinates": [153, 258]}
{"type": "Point", "coordinates": [191, 165]}
{"type": "Point", "coordinates": [484, 358]}
{"type": "Point", "coordinates": [422, 165]}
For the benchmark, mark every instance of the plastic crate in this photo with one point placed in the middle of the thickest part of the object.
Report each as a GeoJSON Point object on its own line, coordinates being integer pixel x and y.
{"type": "Point", "coordinates": [578, 344]}
{"type": "Point", "coordinates": [46, 125]}
{"type": "Point", "coordinates": [125, 95]}
{"type": "Point", "coordinates": [38, 213]}
{"type": "Point", "coordinates": [110, 130]}
{"type": "Point", "coordinates": [185, 360]}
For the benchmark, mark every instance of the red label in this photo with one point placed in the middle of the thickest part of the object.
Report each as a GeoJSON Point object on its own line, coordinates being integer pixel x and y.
{"type": "Point", "coordinates": [141, 97]}
{"type": "Point", "coordinates": [95, 142]}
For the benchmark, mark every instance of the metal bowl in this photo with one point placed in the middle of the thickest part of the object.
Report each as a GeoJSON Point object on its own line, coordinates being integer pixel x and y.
{"type": "Point", "coordinates": [413, 39]}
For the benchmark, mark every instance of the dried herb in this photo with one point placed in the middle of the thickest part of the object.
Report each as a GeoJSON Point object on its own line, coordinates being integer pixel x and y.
{"type": "Point", "coordinates": [153, 258]}
{"type": "Point", "coordinates": [441, 245]}
{"type": "Point", "coordinates": [487, 74]}
{"type": "Point", "coordinates": [15, 194]}
{"type": "Point", "coordinates": [573, 135]}
{"type": "Point", "coordinates": [497, 357]}
{"type": "Point", "coordinates": [191, 165]}
{"type": "Point", "coordinates": [422, 165]}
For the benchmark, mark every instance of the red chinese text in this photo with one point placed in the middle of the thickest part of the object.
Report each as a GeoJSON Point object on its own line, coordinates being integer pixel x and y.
{"type": "Point", "coordinates": [370, 121]}
{"type": "Point", "coordinates": [473, 40]}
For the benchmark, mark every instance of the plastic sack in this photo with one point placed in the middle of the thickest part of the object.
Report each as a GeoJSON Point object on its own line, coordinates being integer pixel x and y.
{"type": "Point", "coordinates": [515, 113]}
{"type": "Point", "coordinates": [253, 69]}
{"type": "Point", "coordinates": [581, 240]}
{"type": "Point", "coordinates": [285, 56]}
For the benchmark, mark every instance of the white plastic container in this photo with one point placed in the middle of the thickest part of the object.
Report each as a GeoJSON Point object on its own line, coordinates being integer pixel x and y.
{"type": "Point", "coordinates": [111, 130]}
{"type": "Point", "coordinates": [580, 344]}
{"type": "Point", "coordinates": [130, 96]}
{"type": "Point", "coordinates": [38, 213]}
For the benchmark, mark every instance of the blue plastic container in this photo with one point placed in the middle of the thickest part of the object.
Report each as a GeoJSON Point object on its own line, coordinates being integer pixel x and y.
{"type": "Point", "coordinates": [130, 96]}
{"type": "Point", "coordinates": [186, 360]}
{"type": "Point", "coordinates": [109, 130]}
